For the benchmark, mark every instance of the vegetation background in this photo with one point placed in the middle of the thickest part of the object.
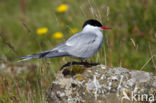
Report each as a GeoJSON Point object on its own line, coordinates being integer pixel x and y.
{"type": "Point", "coordinates": [130, 44]}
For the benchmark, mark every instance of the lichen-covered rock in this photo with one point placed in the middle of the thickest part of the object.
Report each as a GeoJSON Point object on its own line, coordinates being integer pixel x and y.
{"type": "Point", "coordinates": [101, 84]}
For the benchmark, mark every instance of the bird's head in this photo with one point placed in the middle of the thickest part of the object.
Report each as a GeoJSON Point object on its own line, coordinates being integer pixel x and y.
{"type": "Point", "coordinates": [93, 24]}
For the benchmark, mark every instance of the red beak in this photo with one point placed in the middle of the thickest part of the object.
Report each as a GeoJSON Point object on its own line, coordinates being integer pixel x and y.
{"type": "Point", "coordinates": [104, 27]}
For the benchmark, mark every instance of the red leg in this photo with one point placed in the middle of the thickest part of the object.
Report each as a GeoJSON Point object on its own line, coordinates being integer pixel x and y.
{"type": "Point", "coordinates": [85, 63]}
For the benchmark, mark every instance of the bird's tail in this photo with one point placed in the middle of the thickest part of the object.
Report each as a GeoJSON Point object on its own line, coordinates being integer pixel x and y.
{"type": "Point", "coordinates": [46, 54]}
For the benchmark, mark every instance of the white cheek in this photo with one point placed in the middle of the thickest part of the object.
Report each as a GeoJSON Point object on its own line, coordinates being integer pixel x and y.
{"type": "Point", "coordinates": [91, 28]}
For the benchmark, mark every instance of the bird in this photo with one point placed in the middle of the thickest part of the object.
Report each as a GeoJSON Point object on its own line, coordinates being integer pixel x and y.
{"type": "Point", "coordinates": [82, 45]}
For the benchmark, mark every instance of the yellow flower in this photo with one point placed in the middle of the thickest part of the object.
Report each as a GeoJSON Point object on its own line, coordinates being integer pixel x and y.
{"type": "Point", "coordinates": [57, 35]}
{"type": "Point", "coordinates": [41, 31]}
{"type": "Point", "coordinates": [62, 8]}
{"type": "Point", "coordinates": [73, 30]}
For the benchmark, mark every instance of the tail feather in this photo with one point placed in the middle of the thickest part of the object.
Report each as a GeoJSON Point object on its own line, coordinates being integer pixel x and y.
{"type": "Point", "coordinates": [47, 54]}
{"type": "Point", "coordinates": [24, 59]}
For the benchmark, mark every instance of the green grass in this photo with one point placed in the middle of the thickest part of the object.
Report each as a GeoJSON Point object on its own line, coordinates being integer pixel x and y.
{"type": "Point", "coordinates": [130, 44]}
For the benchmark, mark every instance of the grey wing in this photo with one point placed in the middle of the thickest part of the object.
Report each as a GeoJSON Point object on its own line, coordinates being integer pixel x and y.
{"type": "Point", "coordinates": [83, 45]}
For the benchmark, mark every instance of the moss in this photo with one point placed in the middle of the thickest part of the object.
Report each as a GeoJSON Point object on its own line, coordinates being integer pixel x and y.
{"type": "Point", "coordinates": [78, 69]}
{"type": "Point", "coordinates": [79, 77]}
{"type": "Point", "coordinates": [86, 91]}
{"type": "Point", "coordinates": [74, 69]}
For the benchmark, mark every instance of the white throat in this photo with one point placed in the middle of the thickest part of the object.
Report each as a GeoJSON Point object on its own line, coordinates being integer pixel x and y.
{"type": "Point", "coordinates": [94, 29]}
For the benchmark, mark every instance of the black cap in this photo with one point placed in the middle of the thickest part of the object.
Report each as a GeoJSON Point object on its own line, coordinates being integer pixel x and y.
{"type": "Point", "coordinates": [92, 22]}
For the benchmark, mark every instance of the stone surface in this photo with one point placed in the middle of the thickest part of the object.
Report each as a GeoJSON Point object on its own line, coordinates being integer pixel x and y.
{"type": "Point", "coordinates": [101, 84]}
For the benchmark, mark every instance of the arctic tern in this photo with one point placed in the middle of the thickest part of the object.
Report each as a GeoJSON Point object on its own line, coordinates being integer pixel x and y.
{"type": "Point", "coordinates": [82, 45]}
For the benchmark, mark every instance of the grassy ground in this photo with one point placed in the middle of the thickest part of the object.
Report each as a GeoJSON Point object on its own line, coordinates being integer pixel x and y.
{"type": "Point", "coordinates": [130, 44]}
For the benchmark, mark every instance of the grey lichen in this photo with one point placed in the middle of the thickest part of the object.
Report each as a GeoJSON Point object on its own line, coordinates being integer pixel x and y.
{"type": "Point", "coordinates": [100, 84]}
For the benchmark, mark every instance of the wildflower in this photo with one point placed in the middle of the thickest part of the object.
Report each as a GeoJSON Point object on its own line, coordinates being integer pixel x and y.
{"type": "Point", "coordinates": [57, 35]}
{"type": "Point", "coordinates": [42, 31]}
{"type": "Point", "coordinates": [62, 8]}
{"type": "Point", "coordinates": [73, 30]}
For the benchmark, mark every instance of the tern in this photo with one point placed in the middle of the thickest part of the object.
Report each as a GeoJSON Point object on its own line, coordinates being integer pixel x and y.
{"type": "Point", "coordinates": [82, 45]}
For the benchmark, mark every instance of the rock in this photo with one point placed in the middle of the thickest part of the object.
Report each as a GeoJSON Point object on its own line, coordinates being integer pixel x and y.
{"type": "Point", "coordinates": [101, 84]}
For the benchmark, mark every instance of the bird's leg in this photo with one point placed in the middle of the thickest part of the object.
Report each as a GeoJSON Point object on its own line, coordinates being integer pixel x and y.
{"type": "Point", "coordinates": [85, 63]}
{"type": "Point", "coordinates": [70, 67]}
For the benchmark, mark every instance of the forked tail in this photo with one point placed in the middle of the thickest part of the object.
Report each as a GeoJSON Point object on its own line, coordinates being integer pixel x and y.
{"type": "Point", "coordinates": [46, 54]}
